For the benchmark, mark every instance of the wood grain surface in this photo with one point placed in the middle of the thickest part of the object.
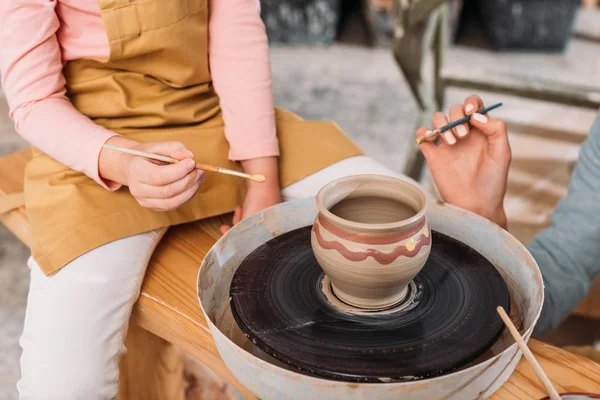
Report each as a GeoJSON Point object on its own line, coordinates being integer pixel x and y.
{"type": "Point", "coordinates": [168, 306]}
{"type": "Point", "coordinates": [152, 368]}
{"type": "Point", "coordinates": [568, 373]}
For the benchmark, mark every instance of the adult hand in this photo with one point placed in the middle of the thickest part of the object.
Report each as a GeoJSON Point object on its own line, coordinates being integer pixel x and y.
{"type": "Point", "coordinates": [153, 184]}
{"type": "Point", "coordinates": [470, 167]}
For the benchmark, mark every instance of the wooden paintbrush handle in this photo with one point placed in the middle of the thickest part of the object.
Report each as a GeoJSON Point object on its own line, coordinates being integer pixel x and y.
{"type": "Point", "coordinates": [206, 167]}
{"type": "Point", "coordinates": [144, 154]}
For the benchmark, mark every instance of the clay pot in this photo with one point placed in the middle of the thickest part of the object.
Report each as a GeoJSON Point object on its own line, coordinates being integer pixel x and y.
{"type": "Point", "coordinates": [371, 237]}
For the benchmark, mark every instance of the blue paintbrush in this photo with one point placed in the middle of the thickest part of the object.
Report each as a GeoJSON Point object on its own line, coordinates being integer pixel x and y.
{"type": "Point", "coordinates": [455, 123]}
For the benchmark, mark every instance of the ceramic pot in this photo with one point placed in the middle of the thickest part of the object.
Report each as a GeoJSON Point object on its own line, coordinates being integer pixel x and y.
{"type": "Point", "coordinates": [371, 237]}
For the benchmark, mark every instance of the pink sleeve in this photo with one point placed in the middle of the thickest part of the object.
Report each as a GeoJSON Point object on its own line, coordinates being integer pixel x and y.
{"type": "Point", "coordinates": [241, 72]}
{"type": "Point", "coordinates": [31, 65]}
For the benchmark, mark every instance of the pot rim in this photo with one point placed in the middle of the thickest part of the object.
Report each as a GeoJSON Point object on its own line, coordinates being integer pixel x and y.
{"type": "Point", "coordinates": [347, 224]}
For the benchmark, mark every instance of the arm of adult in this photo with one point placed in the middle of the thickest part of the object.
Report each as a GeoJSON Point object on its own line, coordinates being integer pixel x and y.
{"type": "Point", "coordinates": [470, 169]}
{"type": "Point", "coordinates": [568, 252]}
{"type": "Point", "coordinates": [470, 166]}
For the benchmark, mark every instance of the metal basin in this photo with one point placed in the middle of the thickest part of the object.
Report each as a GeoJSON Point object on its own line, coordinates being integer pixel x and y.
{"type": "Point", "coordinates": [268, 379]}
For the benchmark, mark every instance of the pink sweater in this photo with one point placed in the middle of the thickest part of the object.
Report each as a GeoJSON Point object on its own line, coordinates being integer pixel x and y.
{"type": "Point", "coordinates": [38, 36]}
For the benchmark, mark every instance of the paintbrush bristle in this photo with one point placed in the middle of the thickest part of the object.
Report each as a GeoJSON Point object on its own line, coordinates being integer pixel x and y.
{"type": "Point", "coordinates": [258, 178]}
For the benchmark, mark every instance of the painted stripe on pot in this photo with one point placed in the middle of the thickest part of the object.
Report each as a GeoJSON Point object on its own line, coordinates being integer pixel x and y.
{"type": "Point", "coordinates": [410, 249]}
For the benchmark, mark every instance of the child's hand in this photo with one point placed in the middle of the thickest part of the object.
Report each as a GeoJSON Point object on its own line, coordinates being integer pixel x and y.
{"type": "Point", "coordinates": [470, 167]}
{"type": "Point", "coordinates": [259, 195]}
{"type": "Point", "coordinates": [255, 201]}
{"type": "Point", "coordinates": [154, 185]}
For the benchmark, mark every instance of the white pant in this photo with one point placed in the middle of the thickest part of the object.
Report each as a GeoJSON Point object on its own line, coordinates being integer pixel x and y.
{"type": "Point", "coordinates": [76, 320]}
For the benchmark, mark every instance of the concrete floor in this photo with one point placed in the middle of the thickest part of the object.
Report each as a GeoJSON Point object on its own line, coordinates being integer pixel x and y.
{"type": "Point", "coordinates": [359, 88]}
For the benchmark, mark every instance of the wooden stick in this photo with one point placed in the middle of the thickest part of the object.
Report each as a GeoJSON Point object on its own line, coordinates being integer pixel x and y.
{"type": "Point", "coordinates": [529, 355]}
{"type": "Point", "coordinates": [204, 167]}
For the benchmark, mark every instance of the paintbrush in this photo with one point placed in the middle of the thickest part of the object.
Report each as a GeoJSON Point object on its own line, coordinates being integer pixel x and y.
{"type": "Point", "coordinates": [529, 355]}
{"type": "Point", "coordinates": [204, 167]}
{"type": "Point", "coordinates": [455, 124]}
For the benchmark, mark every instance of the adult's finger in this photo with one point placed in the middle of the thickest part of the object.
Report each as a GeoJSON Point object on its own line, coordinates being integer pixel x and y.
{"type": "Point", "coordinates": [422, 132]}
{"type": "Point", "coordinates": [427, 146]}
{"type": "Point", "coordinates": [170, 190]}
{"type": "Point", "coordinates": [472, 104]}
{"type": "Point", "coordinates": [438, 120]}
{"type": "Point", "coordinates": [496, 132]}
{"type": "Point", "coordinates": [456, 112]}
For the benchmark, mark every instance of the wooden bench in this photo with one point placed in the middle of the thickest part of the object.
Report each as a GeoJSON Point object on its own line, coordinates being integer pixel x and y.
{"type": "Point", "coordinates": [168, 314]}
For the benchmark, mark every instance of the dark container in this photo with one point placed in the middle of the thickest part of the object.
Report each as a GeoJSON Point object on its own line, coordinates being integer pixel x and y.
{"type": "Point", "coordinates": [544, 25]}
{"type": "Point", "coordinates": [301, 22]}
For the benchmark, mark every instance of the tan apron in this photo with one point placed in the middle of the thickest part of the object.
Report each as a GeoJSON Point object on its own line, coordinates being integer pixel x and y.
{"type": "Point", "coordinates": [155, 86]}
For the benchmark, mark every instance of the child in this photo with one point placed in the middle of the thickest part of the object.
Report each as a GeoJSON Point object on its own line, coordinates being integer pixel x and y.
{"type": "Point", "coordinates": [470, 169]}
{"type": "Point", "coordinates": [183, 78]}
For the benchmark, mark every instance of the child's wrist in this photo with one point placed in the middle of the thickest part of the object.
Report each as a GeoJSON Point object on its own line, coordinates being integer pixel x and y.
{"type": "Point", "coordinates": [267, 166]}
{"type": "Point", "coordinates": [112, 165]}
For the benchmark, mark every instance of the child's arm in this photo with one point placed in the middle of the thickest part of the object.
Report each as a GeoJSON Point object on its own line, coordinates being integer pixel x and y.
{"type": "Point", "coordinates": [31, 65]}
{"type": "Point", "coordinates": [241, 73]}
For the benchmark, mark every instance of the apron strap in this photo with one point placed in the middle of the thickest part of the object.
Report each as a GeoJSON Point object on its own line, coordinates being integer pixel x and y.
{"type": "Point", "coordinates": [109, 4]}
{"type": "Point", "coordinates": [121, 22]}
{"type": "Point", "coordinates": [11, 202]}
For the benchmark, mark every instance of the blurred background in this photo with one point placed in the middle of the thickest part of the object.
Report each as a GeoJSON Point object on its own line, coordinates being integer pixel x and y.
{"type": "Point", "coordinates": [380, 68]}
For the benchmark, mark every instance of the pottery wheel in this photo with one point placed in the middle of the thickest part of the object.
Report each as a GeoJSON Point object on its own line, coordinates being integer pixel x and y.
{"type": "Point", "coordinates": [279, 302]}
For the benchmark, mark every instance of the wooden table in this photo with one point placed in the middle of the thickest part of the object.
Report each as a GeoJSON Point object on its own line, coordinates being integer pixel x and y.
{"type": "Point", "coordinates": [168, 306]}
